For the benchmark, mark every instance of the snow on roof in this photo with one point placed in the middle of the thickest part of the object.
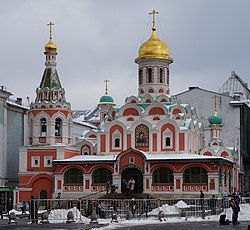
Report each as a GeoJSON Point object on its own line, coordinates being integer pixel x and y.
{"type": "Point", "coordinates": [149, 157]}
{"type": "Point", "coordinates": [78, 121]}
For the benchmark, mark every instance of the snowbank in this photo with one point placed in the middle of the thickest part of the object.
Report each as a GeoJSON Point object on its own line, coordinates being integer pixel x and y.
{"type": "Point", "coordinates": [166, 209]}
{"type": "Point", "coordinates": [181, 204]}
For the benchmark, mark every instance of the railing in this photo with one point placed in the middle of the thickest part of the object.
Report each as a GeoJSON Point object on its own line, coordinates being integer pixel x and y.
{"type": "Point", "coordinates": [82, 208]}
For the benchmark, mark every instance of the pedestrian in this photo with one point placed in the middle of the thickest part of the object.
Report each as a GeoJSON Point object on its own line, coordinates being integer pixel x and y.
{"type": "Point", "coordinates": [234, 204]}
{"type": "Point", "coordinates": [202, 199]}
{"type": "Point", "coordinates": [24, 208]}
{"type": "Point", "coordinates": [58, 197]}
{"type": "Point", "coordinates": [108, 186]}
{"type": "Point", "coordinates": [133, 206]}
{"type": "Point", "coordinates": [213, 204]}
{"type": "Point", "coordinates": [145, 207]}
{"type": "Point", "coordinates": [32, 210]}
{"type": "Point", "coordinates": [131, 185]}
{"type": "Point", "coordinates": [1, 208]}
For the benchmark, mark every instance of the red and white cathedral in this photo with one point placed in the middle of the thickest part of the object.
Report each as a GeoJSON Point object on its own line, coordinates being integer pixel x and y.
{"type": "Point", "coordinates": [153, 138]}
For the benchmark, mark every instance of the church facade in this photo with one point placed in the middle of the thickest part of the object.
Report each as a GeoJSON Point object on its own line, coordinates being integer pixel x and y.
{"type": "Point", "coordinates": [152, 138]}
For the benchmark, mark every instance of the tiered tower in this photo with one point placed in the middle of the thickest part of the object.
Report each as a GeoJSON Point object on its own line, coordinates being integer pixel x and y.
{"type": "Point", "coordinates": [50, 116]}
{"type": "Point", "coordinates": [153, 65]}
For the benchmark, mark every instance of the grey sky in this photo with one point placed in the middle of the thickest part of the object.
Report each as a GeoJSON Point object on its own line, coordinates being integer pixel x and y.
{"type": "Point", "coordinates": [100, 39]}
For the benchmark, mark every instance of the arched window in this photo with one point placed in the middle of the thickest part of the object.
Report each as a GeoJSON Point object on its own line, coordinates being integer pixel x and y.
{"type": "Point", "coordinates": [161, 75]}
{"type": "Point", "coordinates": [195, 175]}
{"type": "Point", "coordinates": [167, 139]}
{"type": "Point", "coordinates": [116, 139]}
{"type": "Point", "coordinates": [58, 127]}
{"type": "Point", "coordinates": [43, 126]}
{"type": "Point", "coordinates": [140, 76]}
{"type": "Point", "coordinates": [101, 176]}
{"type": "Point", "coordinates": [86, 150]}
{"type": "Point", "coordinates": [168, 142]}
{"type": "Point", "coordinates": [163, 176]}
{"type": "Point", "coordinates": [117, 142]}
{"type": "Point", "coordinates": [141, 135]}
{"type": "Point", "coordinates": [150, 78]}
{"type": "Point", "coordinates": [73, 176]}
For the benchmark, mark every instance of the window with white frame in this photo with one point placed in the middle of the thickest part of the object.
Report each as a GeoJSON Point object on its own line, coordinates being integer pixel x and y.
{"type": "Point", "coordinates": [35, 161]}
{"type": "Point", "coordinates": [48, 161]}
{"type": "Point", "coordinates": [116, 140]}
{"type": "Point", "coordinates": [167, 139]}
{"type": "Point", "coordinates": [85, 150]}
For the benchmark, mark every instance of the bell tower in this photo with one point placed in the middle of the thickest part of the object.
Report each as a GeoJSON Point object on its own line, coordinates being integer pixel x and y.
{"type": "Point", "coordinates": [153, 65]}
{"type": "Point", "coordinates": [50, 116]}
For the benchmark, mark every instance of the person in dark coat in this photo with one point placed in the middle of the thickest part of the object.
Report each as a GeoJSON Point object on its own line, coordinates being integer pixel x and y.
{"type": "Point", "coordinates": [213, 204]}
{"type": "Point", "coordinates": [202, 196]}
{"type": "Point", "coordinates": [145, 207]}
{"type": "Point", "coordinates": [1, 209]}
{"type": "Point", "coordinates": [23, 208]}
{"type": "Point", "coordinates": [234, 204]}
{"type": "Point", "coordinates": [33, 210]}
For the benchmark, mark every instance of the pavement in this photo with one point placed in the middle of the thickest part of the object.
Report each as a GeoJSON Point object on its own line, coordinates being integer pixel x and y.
{"type": "Point", "coordinates": [23, 224]}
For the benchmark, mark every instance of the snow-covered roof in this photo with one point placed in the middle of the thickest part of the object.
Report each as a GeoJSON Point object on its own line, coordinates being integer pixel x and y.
{"type": "Point", "coordinates": [149, 157]}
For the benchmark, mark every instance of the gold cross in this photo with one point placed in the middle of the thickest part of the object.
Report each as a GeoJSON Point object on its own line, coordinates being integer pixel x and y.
{"type": "Point", "coordinates": [215, 110]}
{"type": "Point", "coordinates": [106, 89]}
{"type": "Point", "coordinates": [50, 29]}
{"type": "Point", "coordinates": [154, 13]}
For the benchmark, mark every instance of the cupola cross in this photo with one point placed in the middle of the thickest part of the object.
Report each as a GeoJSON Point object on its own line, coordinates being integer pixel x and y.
{"type": "Point", "coordinates": [50, 29]}
{"type": "Point", "coordinates": [215, 109]}
{"type": "Point", "coordinates": [106, 88]}
{"type": "Point", "coordinates": [154, 13]}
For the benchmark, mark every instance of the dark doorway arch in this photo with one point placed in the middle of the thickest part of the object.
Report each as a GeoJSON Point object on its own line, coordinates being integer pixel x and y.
{"type": "Point", "coordinates": [43, 194]}
{"type": "Point", "coordinates": [135, 173]}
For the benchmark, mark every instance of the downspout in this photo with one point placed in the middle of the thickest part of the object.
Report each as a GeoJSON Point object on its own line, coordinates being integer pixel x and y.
{"type": "Point", "coordinates": [220, 178]}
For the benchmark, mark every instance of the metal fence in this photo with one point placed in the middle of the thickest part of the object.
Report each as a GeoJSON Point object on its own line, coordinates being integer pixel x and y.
{"type": "Point", "coordinates": [58, 209]}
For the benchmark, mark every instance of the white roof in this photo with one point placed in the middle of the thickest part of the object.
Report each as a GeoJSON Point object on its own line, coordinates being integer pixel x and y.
{"type": "Point", "coordinates": [149, 156]}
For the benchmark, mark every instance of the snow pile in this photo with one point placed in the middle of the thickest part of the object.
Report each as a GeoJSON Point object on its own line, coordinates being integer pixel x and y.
{"type": "Point", "coordinates": [166, 209]}
{"type": "Point", "coordinates": [60, 216]}
{"type": "Point", "coordinates": [243, 214]}
{"type": "Point", "coordinates": [181, 204]}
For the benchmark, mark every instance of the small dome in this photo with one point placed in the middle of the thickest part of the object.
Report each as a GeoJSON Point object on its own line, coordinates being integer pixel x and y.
{"type": "Point", "coordinates": [50, 47]}
{"type": "Point", "coordinates": [215, 119]}
{"type": "Point", "coordinates": [154, 48]}
{"type": "Point", "coordinates": [106, 99]}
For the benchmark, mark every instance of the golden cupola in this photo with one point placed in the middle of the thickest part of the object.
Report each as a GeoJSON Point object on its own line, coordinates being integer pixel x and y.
{"type": "Point", "coordinates": [50, 47]}
{"type": "Point", "coordinates": [154, 47]}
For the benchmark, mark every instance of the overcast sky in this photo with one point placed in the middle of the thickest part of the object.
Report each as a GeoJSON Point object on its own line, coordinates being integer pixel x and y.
{"type": "Point", "coordinates": [99, 39]}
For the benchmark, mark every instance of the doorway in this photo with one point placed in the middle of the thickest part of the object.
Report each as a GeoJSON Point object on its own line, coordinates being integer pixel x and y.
{"type": "Point", "coordinates": [135, 173]}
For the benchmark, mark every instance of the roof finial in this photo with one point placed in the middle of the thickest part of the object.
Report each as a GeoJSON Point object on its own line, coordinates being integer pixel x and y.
{"type": "Point", "coordinates": [50, 29]}
{"type": "Point", "coordinates": [154, 13]}
{"type": "Point", "coordinates": [106, 88]}
{"type": "Point", "coordinates": [215, 109]}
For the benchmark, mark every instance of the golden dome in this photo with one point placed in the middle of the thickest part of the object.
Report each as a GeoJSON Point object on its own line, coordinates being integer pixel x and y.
{"type": "Point", "coordinates": [154, 48]}
{"type": "Point", "coordinates": [50, 47]}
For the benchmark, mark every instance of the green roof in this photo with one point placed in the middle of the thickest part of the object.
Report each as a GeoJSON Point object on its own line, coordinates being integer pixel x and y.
{"type": "Point", "coordinates": [106, 99]}
{"type": "Point", "coordinates": [215, 119]}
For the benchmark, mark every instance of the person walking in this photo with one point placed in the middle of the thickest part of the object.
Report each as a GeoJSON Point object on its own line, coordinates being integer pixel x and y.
{"type": "Point", "coordinates": [133, 206]}
{"type": "Point", "coordinates": [202, 196]}
{"type": "Point", "coordinates": [234, 204]}
{"type": "Point", "coordinates": [24, 208]}
{"type": "Point", "coordinates": [32, 210]}
{"type": "Point", "coordinates": [145, 207]}
{"type": "Point", "coordinates": [108, 186]}
{"type": "Point", "coordinates": [213, 204]}
{"type": "Point", "coordinates": [58, 200]}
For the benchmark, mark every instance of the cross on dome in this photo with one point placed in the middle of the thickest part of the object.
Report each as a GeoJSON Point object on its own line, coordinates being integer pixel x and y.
{"type": "Point", "coordinates": [153, 18]}
{"type": "Point", "coordinates": [106, 88]}
{"type": "Point", "coordinates": [50, 24]}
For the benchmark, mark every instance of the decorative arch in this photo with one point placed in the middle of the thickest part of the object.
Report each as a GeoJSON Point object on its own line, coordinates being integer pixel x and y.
{"type": "Point", "coordinates": [85, 150]}
{"type": "Point", "coordinates": [151, 90]}
{"type": "Point", "coordinates": [130, 111]}
{"type": "Point", "coordinates": [156, 111]}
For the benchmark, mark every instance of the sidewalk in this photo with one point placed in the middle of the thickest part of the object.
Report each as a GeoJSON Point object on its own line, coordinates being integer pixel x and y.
{"type": "Point", "coordinates": [24, 224]}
